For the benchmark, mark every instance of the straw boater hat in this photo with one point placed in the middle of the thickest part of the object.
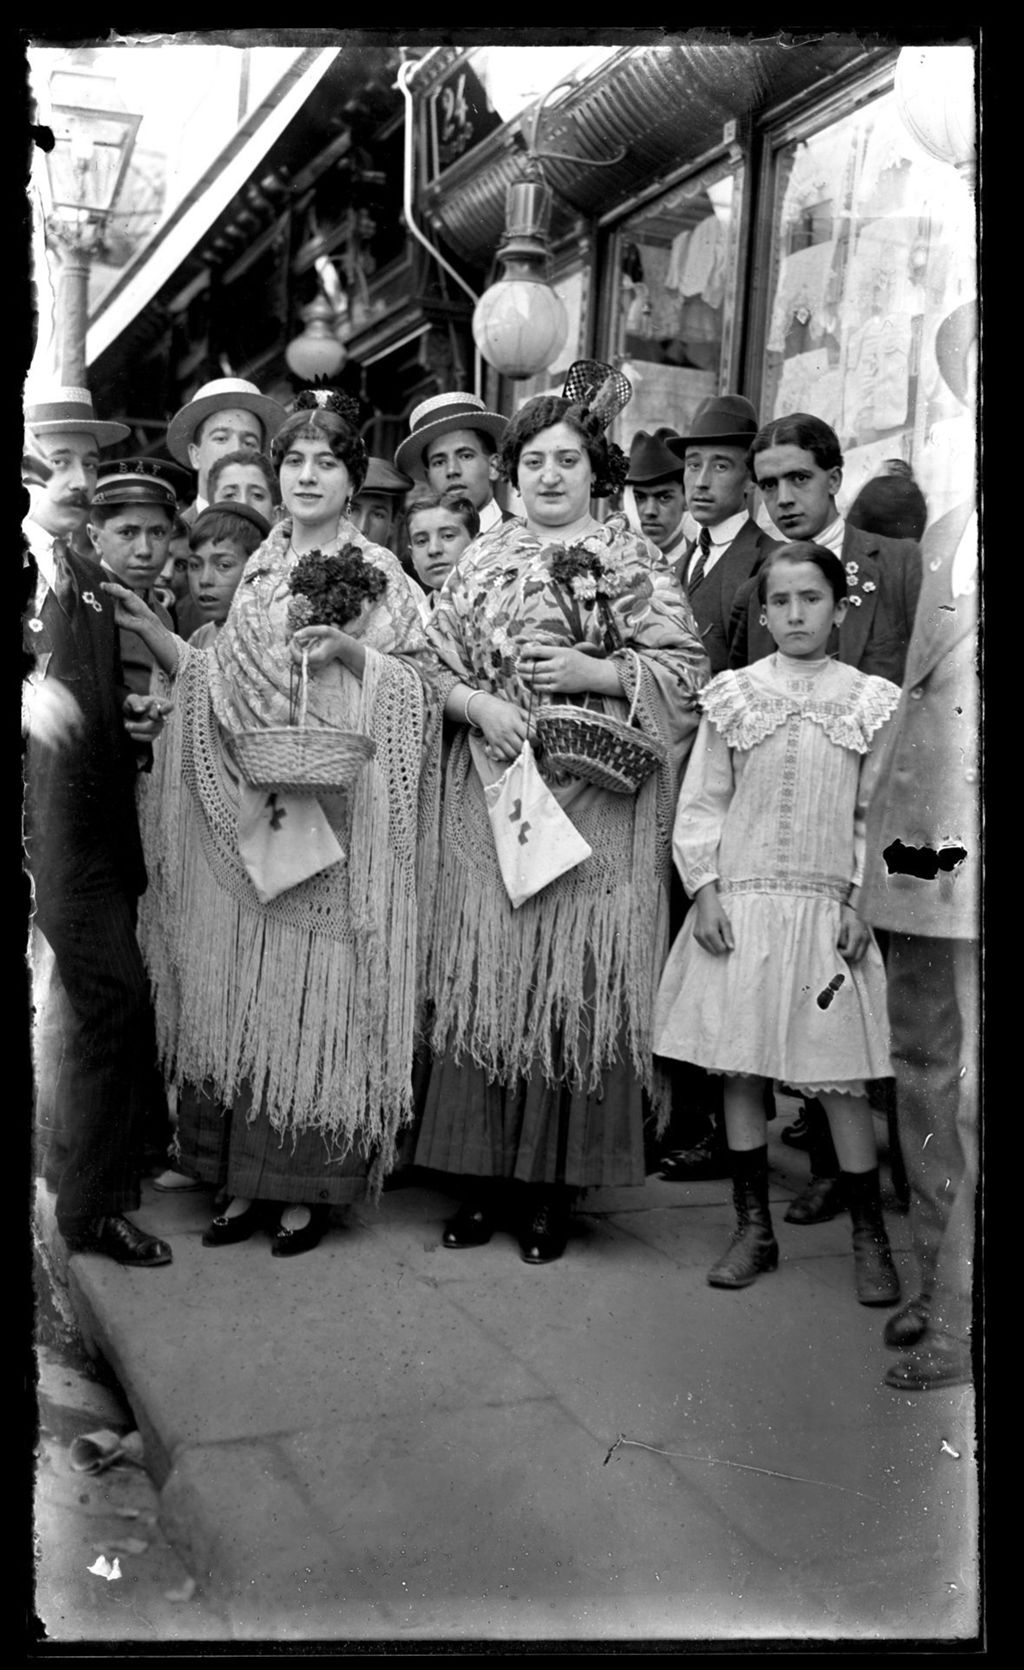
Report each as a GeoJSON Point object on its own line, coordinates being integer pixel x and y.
{"type": "Point", "coordinates": [140, 481]}
{"type": "Point", "coordinates": [71, 408]}
{"type": "Point", "coordinates": [382, 478]}
{"type": "Point", "coordinates": [436, 417]}
{"type": "Point", "coordinates": [728, 419]}
{"type": "Point", "coordinates": [651, 460]}
{"type": "Point", "coordinates": [223, 394]}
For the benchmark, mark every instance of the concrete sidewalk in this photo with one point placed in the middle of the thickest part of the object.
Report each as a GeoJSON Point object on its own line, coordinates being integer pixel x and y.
{"type": "Point", "coordinates": [385, 1440]}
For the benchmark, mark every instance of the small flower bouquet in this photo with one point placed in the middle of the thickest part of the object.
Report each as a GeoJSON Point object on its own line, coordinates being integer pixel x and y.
{"type": "Point", "coordinates": [332, 590]}
{"type": "Point", "coordinates": [589, 573]}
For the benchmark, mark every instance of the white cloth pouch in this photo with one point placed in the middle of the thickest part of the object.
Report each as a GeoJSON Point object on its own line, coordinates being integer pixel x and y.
{"type": "Point", "coordinates": [534, 839]}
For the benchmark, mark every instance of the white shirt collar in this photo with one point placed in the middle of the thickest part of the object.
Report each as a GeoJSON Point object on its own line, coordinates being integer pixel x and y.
{"type": "Point", "coordinates": [723, 533]}
{"type": "Point", "coordinates": [41, 544]}
{"type": "Point", "coordinates": [490, 516]}
{"type": "Point", "coordinates": [831, 537]}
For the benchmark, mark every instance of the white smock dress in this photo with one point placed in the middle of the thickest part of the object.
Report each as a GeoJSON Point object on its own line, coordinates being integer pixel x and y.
{"type": "Point", "coordinates": [769, 808]}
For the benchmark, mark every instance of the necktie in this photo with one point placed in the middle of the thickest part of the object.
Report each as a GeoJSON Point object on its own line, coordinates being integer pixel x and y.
{"type": "Point", "coordinates": [65, 590]}
{"type": "Point", "coordinates": [704, 542]}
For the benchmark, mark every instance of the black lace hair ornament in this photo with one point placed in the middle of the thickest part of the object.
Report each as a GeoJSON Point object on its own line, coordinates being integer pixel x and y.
{"type": "Point", "coordinates": [599, 389]}
{"type": "Point", "coordinates": [328, 400]}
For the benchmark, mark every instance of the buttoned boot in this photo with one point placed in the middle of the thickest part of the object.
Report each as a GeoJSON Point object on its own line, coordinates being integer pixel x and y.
{"type": "Point", "coordinates": [874, 1271]}
{"type": "Point", "coordinates": [753, 1248]}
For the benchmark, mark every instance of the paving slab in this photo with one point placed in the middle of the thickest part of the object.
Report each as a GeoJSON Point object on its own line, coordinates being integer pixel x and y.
{"type": "Point", "coordinates": [385, 1440]}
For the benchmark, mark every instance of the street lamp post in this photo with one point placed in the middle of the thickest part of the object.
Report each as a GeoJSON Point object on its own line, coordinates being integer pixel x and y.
{"type": "Point", "coordinates": [93, 142]}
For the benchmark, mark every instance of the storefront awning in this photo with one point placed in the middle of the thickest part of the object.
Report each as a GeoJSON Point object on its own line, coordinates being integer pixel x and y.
{"type": "Point", "coordinates": [185, 228]}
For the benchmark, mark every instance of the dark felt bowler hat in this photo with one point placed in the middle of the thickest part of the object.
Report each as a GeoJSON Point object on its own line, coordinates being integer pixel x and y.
{"type": "Point", "coordinates": [728, 419]}
{"type": "Point", "coordinates": [382, 478]}
{"type": "Point", "coordinates": [140, 481]}
{"type": "Point", "coordinates": [651, 460]}
{"type": "Point", "coordinates": [224, 507]}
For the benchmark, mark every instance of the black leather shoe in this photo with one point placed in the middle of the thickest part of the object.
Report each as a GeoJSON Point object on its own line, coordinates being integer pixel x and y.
{"type": "Point", "coordinates": [939, 1360]}
{"type": "Point", "coordinates": [909, 1324]}
{"type": "Point", "coordinates": [287, 1243]}
{"type": "Point", "coordinates": [472, 1226]}
{"type": "Point", "coordinates": [224, 1231]}
{"type": "Point", "coordinates": [821, 1200]}
{"type": "Point", "coordinates": [547, 1234]}
{"type": "Point", "coordinates": [116, 1237]}
{"type": "Point", "coordinates": [708, 1158]}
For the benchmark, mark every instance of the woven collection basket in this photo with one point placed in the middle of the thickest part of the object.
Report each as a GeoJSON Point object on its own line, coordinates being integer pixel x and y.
{"type": "Point", "coordinates": [604, 751]}
{"type": "Point", "coordinates": [296, 760]}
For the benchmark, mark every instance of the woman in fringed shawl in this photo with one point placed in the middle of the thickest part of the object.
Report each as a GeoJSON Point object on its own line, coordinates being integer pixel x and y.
{"type": "Point", "coordinates": [542, 1014]}
{"type": "Point", "coordinates": [281, 930]}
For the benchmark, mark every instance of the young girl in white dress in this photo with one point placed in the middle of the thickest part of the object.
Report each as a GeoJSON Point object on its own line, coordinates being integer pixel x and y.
{"type": "Point", "coordinates": [774, 974]}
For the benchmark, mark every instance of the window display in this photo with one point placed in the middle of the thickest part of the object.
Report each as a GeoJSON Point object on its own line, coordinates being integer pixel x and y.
{"type": "Point", "coordinates": [676, 280]}
{"type": "Point", "coordinates": [873, 245]}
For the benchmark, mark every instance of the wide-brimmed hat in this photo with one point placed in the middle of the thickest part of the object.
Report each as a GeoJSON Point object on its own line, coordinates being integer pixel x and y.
{"type": "Point", "coordinates": [651, 460]}
{"type": "Point", "coordinates": [71, 408]}
{"type": "Point", "coordinates": [141, 481]}
{"type": "Point", "coordinates": [438, 416]}
{"type": "Point", "coordinates": [382, 478]}
{"type": "Point", "coordinates": [212, 513]}
{"type": "Point", "coordinates": [222, 395]}
{"type": "Point", "coordinates": [952, 342]}
{"type": "Point", "coordinates": [728, 419]}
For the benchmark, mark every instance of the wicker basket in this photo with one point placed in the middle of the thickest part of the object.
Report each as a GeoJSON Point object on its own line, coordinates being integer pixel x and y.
{"type": "Point", "coordinates": [604, 751]}
{"type": "Point", "coordinates": [295, 760]}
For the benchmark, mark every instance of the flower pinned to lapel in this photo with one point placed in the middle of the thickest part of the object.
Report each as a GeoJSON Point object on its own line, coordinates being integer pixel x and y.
{"type": "Point", "coordinates": [852, 570]}
{"type": "Point", "coordinates": [35, 625]}
{"type": "Point", "coordinates": [869, 585]}
{"type": "Point", "coordinates": [856, 599]}
{"type": "Point", "coordinates": [90, 598]}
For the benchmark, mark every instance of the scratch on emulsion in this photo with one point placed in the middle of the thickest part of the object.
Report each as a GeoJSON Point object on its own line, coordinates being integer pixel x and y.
{"type": "Point", "coordinates": [741, 1466]}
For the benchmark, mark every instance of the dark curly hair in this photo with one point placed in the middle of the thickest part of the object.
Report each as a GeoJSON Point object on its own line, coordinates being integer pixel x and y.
{"type": "Point", "coordinates": [319, 423]}
{"type": "Point", "coordinates": [609, 463]}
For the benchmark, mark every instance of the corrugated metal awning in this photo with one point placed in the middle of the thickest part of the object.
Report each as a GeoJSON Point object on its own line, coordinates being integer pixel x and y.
{"type": "Point", "coordinates": [665, 104]}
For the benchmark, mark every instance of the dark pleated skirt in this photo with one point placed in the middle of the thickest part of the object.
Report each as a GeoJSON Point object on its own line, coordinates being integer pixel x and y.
{"type": "Point", "coordinates": [531, 1131]}
{"type": "Point", "coordinates": [248, 1157]}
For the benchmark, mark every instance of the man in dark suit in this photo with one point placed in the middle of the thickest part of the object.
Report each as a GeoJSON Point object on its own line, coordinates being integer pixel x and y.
{"type": "Point", "coordinates": [729, 549]}
{"type": "Point", "coordinates": [82, 837]}
{"type": "Point", "coordinates": [731, 546]}
{"type": "Point", "coordinates": [921, 884]}
{"type": "Point", "coordinates": [797, 463]}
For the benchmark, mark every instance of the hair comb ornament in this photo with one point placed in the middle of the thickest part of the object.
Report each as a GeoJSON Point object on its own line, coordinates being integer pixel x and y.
{"type": "Point", "coordinates": [602, 391]}
{"type": "Point", "coordinates": [328, 400]}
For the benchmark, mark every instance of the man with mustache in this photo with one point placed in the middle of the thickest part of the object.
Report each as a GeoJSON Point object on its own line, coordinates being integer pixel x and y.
{"type": "Point", "coordinates": [82, 836]}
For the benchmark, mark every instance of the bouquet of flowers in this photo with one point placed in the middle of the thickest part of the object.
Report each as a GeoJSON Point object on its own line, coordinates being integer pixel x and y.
{"type": "Point", "coordinates": [332, 590]}
{"type": "Point", "coordinates": [589, 573]}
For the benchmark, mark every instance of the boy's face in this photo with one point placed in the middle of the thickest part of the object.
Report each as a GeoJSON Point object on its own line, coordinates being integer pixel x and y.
{"type": "Point", "coordinates": [247, 484]}
{"type": "Point", "coordinates": [175, 570]}
{"type": "Point", "coordinates": [214, 571]}
{"type": "Point", "coordinates": [437, 539]}
{"type": "Point", "coordinates": [133, 543]}
{"type": "Point", "coordinates": [460, 459]}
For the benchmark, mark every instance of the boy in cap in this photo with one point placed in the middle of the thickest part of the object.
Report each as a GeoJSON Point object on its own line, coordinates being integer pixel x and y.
{"type": "Point", "coordinates": [223, 538]}
{"type": "Point", "coordinates": [656, 477]}
{"type": "Point", "coordinates": [82, 838]}
{"type": "Point", "coordinates": [377, 506]}
{"type": "Point", "coordinates": [131, 522]}
{"type": "Point", "coordinates": [225, 415]}
{"type": "Point", "coordinates": [452, 442]}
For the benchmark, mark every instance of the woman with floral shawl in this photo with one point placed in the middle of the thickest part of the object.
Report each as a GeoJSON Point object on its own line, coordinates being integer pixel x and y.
{"type": "Point", "coordinates": [281, 929]}
{"type": "Point", "coordinates": [542, 1014]}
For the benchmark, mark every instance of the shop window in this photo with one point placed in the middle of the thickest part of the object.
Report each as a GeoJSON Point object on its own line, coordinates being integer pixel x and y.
{"type": "Point", "coordinates": [675, 286]}
{"type": "Point", "coordinates": [873, 244]}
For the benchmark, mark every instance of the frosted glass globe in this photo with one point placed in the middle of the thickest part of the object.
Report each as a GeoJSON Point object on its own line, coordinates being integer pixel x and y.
{"type": "Point", "coordinates": [520, 327]}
